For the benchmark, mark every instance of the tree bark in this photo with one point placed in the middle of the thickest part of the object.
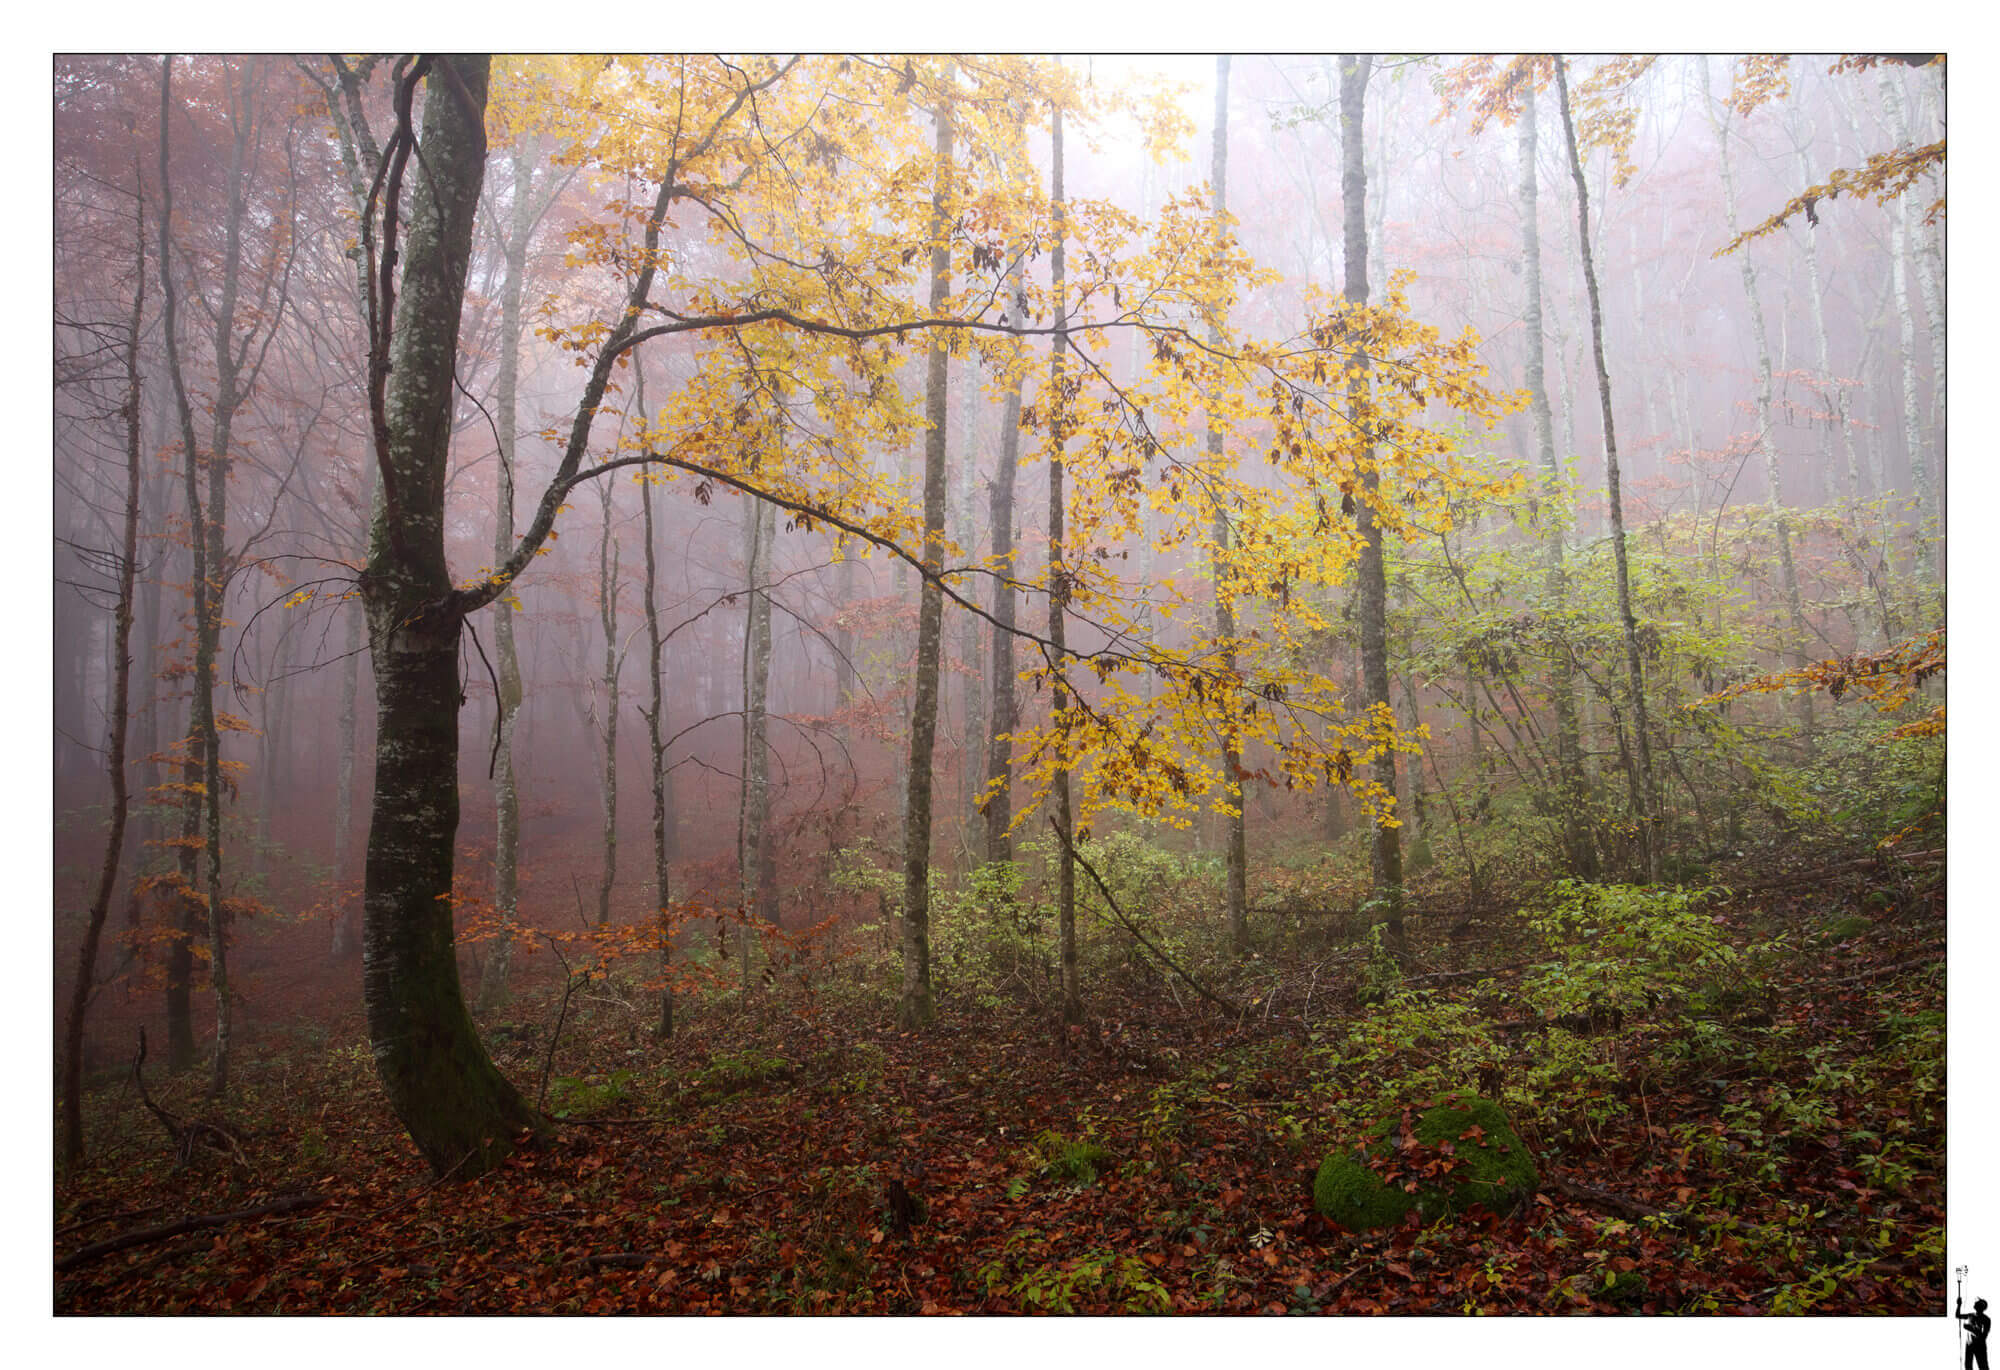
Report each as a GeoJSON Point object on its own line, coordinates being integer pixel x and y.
{"type": "Point", "coordinates": [460, 1111]}
{"type": "Point", "coordinates": [1004, 714]}
{"type": "Point", "coordinates": [607, 622]}
{"type": "Point", "coordinates": [507, 656]}
{"type": "Point", "coordinates": [1373, 587]}
{"type": "Point", "coordinates": [1234, 857]}
{"type": "Point", "coordinates": [1072, 996]}
{"type": "Point", "coordinates": [1579, 847]}
{"type": "Point", "coordinates": [1766, 425]}
{"type": "Point", "coordinates": [656, 774]}
{"type": "Point", "coordinates": [917, 1007]}
{"type": "Point", "coordinates": [120, 710]}
{"type": "Point", "coordinates": [1644, 804]}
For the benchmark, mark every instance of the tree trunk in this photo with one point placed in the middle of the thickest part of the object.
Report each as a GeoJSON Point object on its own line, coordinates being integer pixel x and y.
{"type": "Point", "coordinates": [1371, 574]}
{"type": "Point", "coordinates": [1072, 995]}
{"type": "Point", "coordinates": [460, 1111]}
{"type": "Point", "coordinates": [916, 1007]}
{"type": "Point", "coordinates": [1766, 426]}
{"type": "Point", "coordinates": [201, 824]}
{"type": "Point", "coordinates": [1579, 848]}
{"type": "Point", "coordinates": [607, 622]}
{"type": "Point", "coordinates": [656, 774]}
{"type": "Point", "coordinates": [507, 656]}
{"type": "Point", "coordinates": [1004, 714]}
{"type": "Point", "coordinates": [1640, 774]}
{"type": "Point", "coordinates": [1235, 866]}
{"type": "Point", "coordinates": [120, 710]}
{"type": "Point", "coordinates": [753, 819]}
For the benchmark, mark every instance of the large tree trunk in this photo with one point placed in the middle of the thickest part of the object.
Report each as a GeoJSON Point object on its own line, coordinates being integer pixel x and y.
{"type": "Point", "coordinates": [460, 1111]}
{"type": "Point", "coordinates": [1234, 856]}
{"type": "Point", "coordinates": [1004, 715]}
{"type": "Point", "coordinates": [1578, 845]}
{"type": "Point", "coordinates": [1644, 803]}
{"type": "Point", "coordinates": [1373, 588]}
{"type": "Point", "coordinates": [120, 711]}
{"type": "Point", "coordinates": [916, 1007]}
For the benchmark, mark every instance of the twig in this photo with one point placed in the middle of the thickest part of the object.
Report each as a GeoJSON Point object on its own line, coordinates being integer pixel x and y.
{"type": "Point", "coordinates": [145, 1236]}
{"type": "Point", "coordinates": [1232, 1009]}
{"type": "Point", "coordinates": [1881, 971]}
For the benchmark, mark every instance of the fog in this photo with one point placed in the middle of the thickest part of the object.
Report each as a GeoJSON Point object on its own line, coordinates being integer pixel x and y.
{"type": "Point", "coordinates": [1851, 327]}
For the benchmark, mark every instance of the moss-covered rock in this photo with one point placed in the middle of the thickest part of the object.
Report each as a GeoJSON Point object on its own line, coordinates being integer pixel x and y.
{"type": "Point", "coordinates": [1479, 1158]}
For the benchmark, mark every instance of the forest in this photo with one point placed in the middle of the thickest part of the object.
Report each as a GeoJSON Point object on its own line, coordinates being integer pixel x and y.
{"type": "Point", "coordinates": [921, 684]}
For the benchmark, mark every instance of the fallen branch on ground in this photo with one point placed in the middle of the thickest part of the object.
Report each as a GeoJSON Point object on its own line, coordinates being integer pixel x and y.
{"type": "Point", "coordinates": [146, 1236]}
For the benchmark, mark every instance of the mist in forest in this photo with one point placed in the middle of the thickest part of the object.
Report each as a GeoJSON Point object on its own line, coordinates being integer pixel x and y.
{"type": "Point", "coordinates": [854, 277]}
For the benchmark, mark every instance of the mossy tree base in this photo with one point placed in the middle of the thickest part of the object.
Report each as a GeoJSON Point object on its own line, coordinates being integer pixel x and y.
{"type": "Point", "coordinates": [1459, 1151]}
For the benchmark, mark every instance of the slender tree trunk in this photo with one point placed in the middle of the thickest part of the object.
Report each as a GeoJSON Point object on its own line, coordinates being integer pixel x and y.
{"type": "Point", "coordinates": [1579, 847]}
{"type": "Point", "coordinates": [656, 773]}
{"type": "Point", "coordinates": [201, 827]}
{"type": "Point", "coordinates": [1644, 804]}
{"type": "Point", "coordinates": [498, 965]}
{"type": "Point", "coordinates": [1004, 716]}
{"type": "Point", "coordinates": [1767, 432]}
{"type": "Point", "coordinates": [607, 622]}
{"type": "Point", "coordinates": [916, 1007]}
{"type": "Point", "coordinates": [120, 711]}
{"type": "Point", "coordinates": [1925, 251]}
{"type": "Point", "coordinates": [460, 1111]}
{"type": "Point", "coordinates": [1235, 864]}
{"type": "Point", "coordinates": [973, 726]}
{"type": "Point", "coordinates": [1836, 393]}
{"type": "Point", "coordinates": [754, 799]}
{"type": "Point", "coordinates": [1072, 996]}
{"type": "Point", "coordinates": [1371, 574]}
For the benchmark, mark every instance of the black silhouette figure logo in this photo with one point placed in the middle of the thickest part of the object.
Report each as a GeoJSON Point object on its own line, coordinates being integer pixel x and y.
{"type": "Point", "coordinates": [1977, 1325]}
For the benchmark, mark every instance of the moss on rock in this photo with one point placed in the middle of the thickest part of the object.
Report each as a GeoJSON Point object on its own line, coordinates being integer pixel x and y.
{"type": "Point", "coordinates": [1489, 1166]}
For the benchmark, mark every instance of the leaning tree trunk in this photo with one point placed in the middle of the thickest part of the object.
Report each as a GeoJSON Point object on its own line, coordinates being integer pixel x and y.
{"type": "Point", "coordinates": [1579, 847]}
{"type": "Point", "coordinates": [1644, 802]}
{"type": "Point", "coordinates": [1235, 864]}
{"type": "Point", "coordinates": [460, 1111]}
{"type": "Point", "coordinates": [916, 1007]}
{"type": "Point", "coordinates": [120, 710]}
{"type": "Point", "coordinates": [1387, 865]}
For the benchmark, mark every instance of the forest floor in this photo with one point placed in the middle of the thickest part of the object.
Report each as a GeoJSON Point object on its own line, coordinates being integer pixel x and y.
{"type": "Point", "coordinates": [796, 1155]}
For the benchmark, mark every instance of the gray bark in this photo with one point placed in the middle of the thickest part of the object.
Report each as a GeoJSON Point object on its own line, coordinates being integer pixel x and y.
{"type": "Point", "coordinates": [1072, 997]}
{"type": "Point", "coordinates": [1579, 847]}
{"type": "Point", "coordinates": [1371, 574]}
{"type": "Point", "coordinates": [460, 1111]}
{"type": "Point", "coordinates": [1640, 774]}
{"type": "Point", "coordinates": [1767, 434]}
{"type": "Point", "coordinates": [1234, 852]}
{"type": "Point", "coordinates": [120, 716]}
{"type": "Point", "coordinates": [916, 1007]}
{"type": "Point", "coordinates": [1003, 716]}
